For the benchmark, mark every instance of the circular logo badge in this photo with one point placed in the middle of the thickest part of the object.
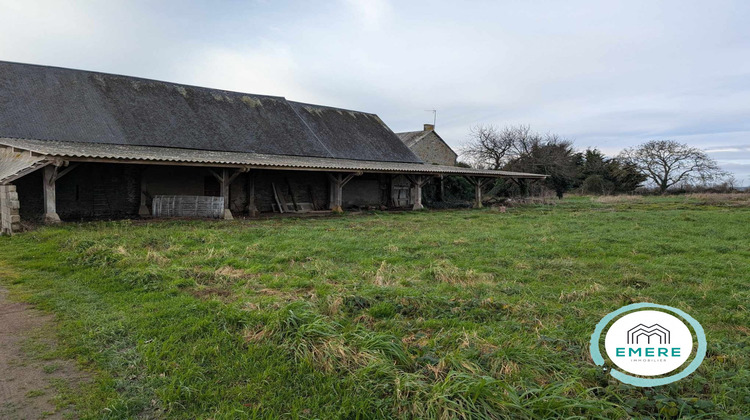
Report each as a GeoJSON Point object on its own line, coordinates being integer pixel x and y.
{"type": "Point", "coordinates": [648, 342]}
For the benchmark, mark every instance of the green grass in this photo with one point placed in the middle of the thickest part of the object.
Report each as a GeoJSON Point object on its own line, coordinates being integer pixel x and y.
{"type": "Point", "coordinates": [454, 314]}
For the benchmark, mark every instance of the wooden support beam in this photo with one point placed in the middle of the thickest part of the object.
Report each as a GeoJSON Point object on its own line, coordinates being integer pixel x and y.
{"type": "Point", "coordinates": [48, 186]}
{"type": "Point", "coordinates": [418, 181]}
{"type": "Point", "coordinates": [225, 178]}
{"type": "Point", "coordinates": [216, 175]}
{"type": "Point", "coordinates": [252, 208]}
{"type": "Point", "coordinates": [479, 183]}
{"type": "Point", "coordinates": [276, 197]}
{"type": "Point", "coordinates": [144, 210]}
{"type": "Point", "coordinates": [478, 195]}
{"type": "Point", "coordinates": [337, 186]}
{"type": "Point", "coordinates": [225, 183]}
{"type": "Point", "coordinates": [338, 180]}
{"type": "Point", "coordinates": [65, 171]}
{"type": "Point", "coordinates": [291, 193]}
{"type": "Point", "coordinates": [236, 174]}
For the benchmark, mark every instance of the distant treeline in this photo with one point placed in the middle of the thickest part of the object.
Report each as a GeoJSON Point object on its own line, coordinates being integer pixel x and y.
{"type": "Point", "coordinates": [657, 166]}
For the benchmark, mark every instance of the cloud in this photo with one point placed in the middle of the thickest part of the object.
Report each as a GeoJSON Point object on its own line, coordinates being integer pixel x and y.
{"type": "Point", "coordinates": [606, 74]}
{"type": "Point", "coordinates": [268, 69]}
{"type": "Point", "coordinates": [724, 150]}
{"type": "Point", "coordinates": [370, 13]}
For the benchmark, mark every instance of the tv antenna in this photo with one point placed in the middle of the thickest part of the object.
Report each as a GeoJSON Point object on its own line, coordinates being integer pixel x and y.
{"type": "Point", "coordinates": [434, 115]}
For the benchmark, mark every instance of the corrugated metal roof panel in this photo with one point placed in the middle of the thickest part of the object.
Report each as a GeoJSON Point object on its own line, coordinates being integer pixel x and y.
{"type": "Point", "coordinates": [80, 150]}
{"type": "Point", "coordinates": [14, 163]}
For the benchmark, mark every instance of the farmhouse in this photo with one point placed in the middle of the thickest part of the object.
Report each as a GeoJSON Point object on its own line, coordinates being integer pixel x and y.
{"type": "Point", "coordinates": [429, 146]}
{"type": "Point", "coordinates": [432, 149]}
{"type": "Point", "coordinates": [78, 145]}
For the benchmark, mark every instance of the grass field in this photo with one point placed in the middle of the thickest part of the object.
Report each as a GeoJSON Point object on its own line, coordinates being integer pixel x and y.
{"type": "Point", "coordinates": [471, 313]}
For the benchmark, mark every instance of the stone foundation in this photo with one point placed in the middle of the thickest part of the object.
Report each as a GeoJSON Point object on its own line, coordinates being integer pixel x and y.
{"type": "Point", "coordinates": [10, 220]}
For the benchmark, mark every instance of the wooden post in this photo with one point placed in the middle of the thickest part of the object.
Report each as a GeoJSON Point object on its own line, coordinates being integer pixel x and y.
{"type": "Point", "coordinates": [252, 208]}
{"type": "Point", "coordinates": [338, 180]}
{"type": "Point", "coordinates": [479, 183]}
{"type": "Point", "coordinates": [225, 183]}
{"type": "Point", "coordinates": [48, 186]}
{"type": "Point", "coordinates": [337, 189]}
{"type": "Point", "coordinates": [225, 180]}
{"type": "Point", "coordinates": [441, 188]}
{"type": "Point", "coordinates": [418, 182]}
{"type": "Point", "coordinates": [143, 210]}
{"type": "Point", "coordinates": [478, 194]}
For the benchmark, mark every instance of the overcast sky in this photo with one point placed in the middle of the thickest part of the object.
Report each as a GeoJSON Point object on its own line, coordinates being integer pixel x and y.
{"type": "Point", "coordinates": [607, 74]}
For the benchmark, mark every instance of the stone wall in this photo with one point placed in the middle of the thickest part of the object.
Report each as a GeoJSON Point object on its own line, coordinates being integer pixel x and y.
{"type": "Point", "coordinates": [431, 149]}
{"type": "Point", "coordinates": [10, 220]}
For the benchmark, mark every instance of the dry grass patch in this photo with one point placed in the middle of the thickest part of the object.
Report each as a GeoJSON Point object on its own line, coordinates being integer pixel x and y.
{"type": "Point", "coordinates": [444, 271]}
{"type": "Point", "coordinates": [577, 295]}
{"type": "Point", "coordinates": [384, 275]}
{"type": "Point", "coordinates": [733, 200]}
{"type": "Point", "coordinates": [614, 199]}
{"type": "Point", "coordinates": [234, 273]}
{"type": "Point", "coordinates": [153, 257]}
{"type": "Point", "coordinates": [211, 292]}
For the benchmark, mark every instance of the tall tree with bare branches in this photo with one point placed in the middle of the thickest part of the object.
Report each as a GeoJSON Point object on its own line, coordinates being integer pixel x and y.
{"type": "Point", "coordinates": [518, 148]}
{"type": "Point", "coordinates": [491, 147]}
{"type": "Point", "coordinates": [668, 163]}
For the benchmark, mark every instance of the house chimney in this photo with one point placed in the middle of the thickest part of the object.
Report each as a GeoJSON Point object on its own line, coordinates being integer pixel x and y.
{"type": "Point", "coordinates": [429, 127]}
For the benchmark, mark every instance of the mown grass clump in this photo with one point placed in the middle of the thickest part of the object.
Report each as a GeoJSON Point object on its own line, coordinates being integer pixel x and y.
{"type": "Point", "coordinates": [453, 314]}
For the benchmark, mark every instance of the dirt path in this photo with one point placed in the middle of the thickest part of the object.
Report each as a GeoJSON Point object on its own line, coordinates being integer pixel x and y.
{"type": "Point", "coordinates": [30, 383]}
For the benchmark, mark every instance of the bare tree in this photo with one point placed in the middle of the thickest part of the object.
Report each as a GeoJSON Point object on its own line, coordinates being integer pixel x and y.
{"type": "Point", "coordinates": [490, 147]}
{"type": "Point", "coordinates": [668, 163]}
{"type": "Point", "coordinates": [518, 148]}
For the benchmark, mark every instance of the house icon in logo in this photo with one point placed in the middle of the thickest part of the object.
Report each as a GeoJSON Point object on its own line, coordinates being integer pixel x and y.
{"type": "Point", "coordinates": [639, 331]}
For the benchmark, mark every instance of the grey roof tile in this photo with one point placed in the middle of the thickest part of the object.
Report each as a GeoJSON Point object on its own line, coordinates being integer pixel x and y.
{"type": "Point", "coordinates": [50, 103]}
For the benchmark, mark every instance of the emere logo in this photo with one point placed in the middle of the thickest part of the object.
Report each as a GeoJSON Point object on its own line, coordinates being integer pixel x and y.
{"type": "Point", "coordinates": [647, 340]}
{"type": "Point", "coordinates": [640, 330]}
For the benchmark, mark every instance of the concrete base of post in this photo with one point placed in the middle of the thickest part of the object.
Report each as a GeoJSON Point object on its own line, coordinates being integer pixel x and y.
{"type": "Point", "coordinates": [51, 218]}
{"type": "Point", "coordinates": [143, 211]}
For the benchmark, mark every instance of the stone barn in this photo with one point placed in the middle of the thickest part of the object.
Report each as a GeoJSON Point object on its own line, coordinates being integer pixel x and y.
{"type": "Point", "coordinates": [78, 145]}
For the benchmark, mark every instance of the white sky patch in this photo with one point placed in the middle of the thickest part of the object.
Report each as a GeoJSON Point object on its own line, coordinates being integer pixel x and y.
{"type": "Point", "coordinates": [720, 150]}
{"type": "Point", "coordinates": [267, 70]}
{"type": "Point", "coordinates": [371, 13]}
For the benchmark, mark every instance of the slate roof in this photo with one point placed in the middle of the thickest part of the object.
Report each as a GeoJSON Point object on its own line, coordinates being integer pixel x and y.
{"type": "Point", "coordinates": [57, 104]}
{"type": "Point", "coordinates": [410, 138]}
{"type": "Point", "coordinates": [49, 150]}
